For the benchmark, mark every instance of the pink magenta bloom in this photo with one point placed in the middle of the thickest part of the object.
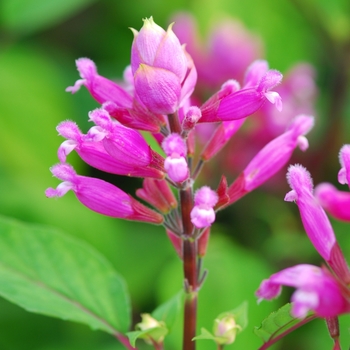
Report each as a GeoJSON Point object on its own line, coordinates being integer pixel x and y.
{"type": "Point", "coordinates": [272, 157]}
{"type": "Point", "coordinates": [344, 158]}
{"type": "Point", "coordinates": [100, 88]}
{"type": "Point", "coordinates": [164, 74]}
{"type": "Point", "coordinates": [317, 290]}
{"type": "Point", "coordinates": [315, 220]}
{"type": "Point", "coordinates": [246, 101]}
{"type": "Point", "coordinates": [175, 163]}
{"type": "Point", "coordinates": [203, 214]}
{"type": "Point", "coordinates": [94, 154]}
{"type": "Point", "coordinates": [335, 202]}
{"type": "Point", "coordinates": [123, 144]}
{"type": "Point", "coordinates": [100, 196]}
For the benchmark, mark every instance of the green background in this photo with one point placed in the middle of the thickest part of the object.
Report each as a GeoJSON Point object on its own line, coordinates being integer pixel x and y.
{"type": "Point", "coordinates": [39, 41]}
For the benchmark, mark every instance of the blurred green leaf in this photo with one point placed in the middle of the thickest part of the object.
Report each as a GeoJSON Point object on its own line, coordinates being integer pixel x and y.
{"type": "Point", "coordinates": [237, 320]}
{"type": "Point", "coordinates": [47, 272]}
{"type": "Point", "coordinates": [169, 311]}
{"type": "Point", "coordinates": [27, 16]}
{"type": "Point", "coordinates": [279, 322]}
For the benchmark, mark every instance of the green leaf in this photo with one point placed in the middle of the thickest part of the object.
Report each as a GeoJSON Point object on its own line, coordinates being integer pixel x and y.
{"type": "Point", "coordinates": [48, 272]}
{"type": "Point", "coordinates": [205, 335]}
{"type": "Point", "coordinates": [31, 15]}
{"type": "Point", "coordinates": [154, 333]}
{"type": "Point", "coordinates": [168, 311]}
{"type": "Point", "coordinates": [279, 322]}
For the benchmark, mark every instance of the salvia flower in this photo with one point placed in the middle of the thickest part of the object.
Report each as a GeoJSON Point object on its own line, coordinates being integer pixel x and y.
{"type": "Point", "coordinates": [164, 74]}
{"type": "Point", "coordinates": [315, 220]}
{"type": "Point", "coordinates": [316, 290]}
{"type": "Point", "coordinates": [203, 214]}
{"type": "Point", "coordinates": [272, 157]}
{"type": "Point", "coordinates": [94, 154]}
{"type": "Point", "coordinates": [100, 196]}
{"type": "Point", "coordinates": [102, 89]}
{"type": "Point", "coordinates": [246, 101]}
{"type": "Point", "coordinates": [175, 163]}
{"type": "Point", "coordinates": [123, 144]}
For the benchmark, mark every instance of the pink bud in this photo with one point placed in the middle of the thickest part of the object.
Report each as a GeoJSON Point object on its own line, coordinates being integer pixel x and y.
{"type": "Point", "coordinates": [158, 194]}
{"type": "Point", "coordinates": [164, 74]}
{"type": "Point", "coordinates": [203, 214]}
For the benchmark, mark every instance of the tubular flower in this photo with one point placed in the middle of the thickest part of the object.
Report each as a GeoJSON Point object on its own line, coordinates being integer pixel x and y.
{"type": "Point", "coordinates": [164, 74]}
{"type": "Point", "coordinates": [100, 196]}
{"type": "Point", "coordinates": [272, 157]}
{"type": "Point", "coordinates": [94, 154]}
{"type": "Point", "coordinates": [315, 220]}
{"type": "Point", "coordinates": [100, 88]}
{"type": "Point", "coordinates": [123, 144]}
{"type": "Point", "coordinates": [317, 290]}
{"type": "Point", "coordinates": [244, 102]}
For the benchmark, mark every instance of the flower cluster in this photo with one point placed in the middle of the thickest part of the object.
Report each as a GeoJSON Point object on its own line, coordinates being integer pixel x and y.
{"type": "Point", "coordinates": [156, 97]}
{"type": "Point", "coordinates": [322, 290]}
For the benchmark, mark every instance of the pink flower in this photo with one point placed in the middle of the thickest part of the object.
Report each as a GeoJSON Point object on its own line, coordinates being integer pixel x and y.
{"type": "Point", "coordinates": [100, 88]}
{"type": "Point", "coordinates": [315, 220]}
{"type": "Point", "coordinates": [335, 202]}
{"type": "Point", "coordinates": [100, 196]}
{"type": "Point", "coordinates": [272, 157]}
{"type": "Point", "coordinates": [164, 74]}
{"type": "Point", "coordinates": [246, 101]}
{"type": "Point", "coordinates": [317, 290]}
{"type": "Point", "coordinates": [124, 144]}
{"type": "Point", "coordinates": [203, 214]}
{"type": "Point", "coordinates": [94, 154]}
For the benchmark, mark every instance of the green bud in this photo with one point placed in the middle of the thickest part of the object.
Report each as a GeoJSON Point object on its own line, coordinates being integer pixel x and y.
{"type": "Point", "coordinates": [225, 329]}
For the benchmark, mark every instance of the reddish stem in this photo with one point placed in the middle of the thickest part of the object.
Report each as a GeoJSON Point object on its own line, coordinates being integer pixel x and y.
{"type": "Point", "coordinates": [190, 270]}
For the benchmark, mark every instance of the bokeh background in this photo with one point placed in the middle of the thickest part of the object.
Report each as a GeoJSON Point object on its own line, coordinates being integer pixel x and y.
{"type": "Point", "coordinates": [260, 234]}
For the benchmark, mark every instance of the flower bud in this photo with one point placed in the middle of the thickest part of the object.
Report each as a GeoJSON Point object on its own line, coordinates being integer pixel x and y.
{"type": "Point", "coordinates": [164, 73]}
{"type": "Point", "coordinates": [225, 329]}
